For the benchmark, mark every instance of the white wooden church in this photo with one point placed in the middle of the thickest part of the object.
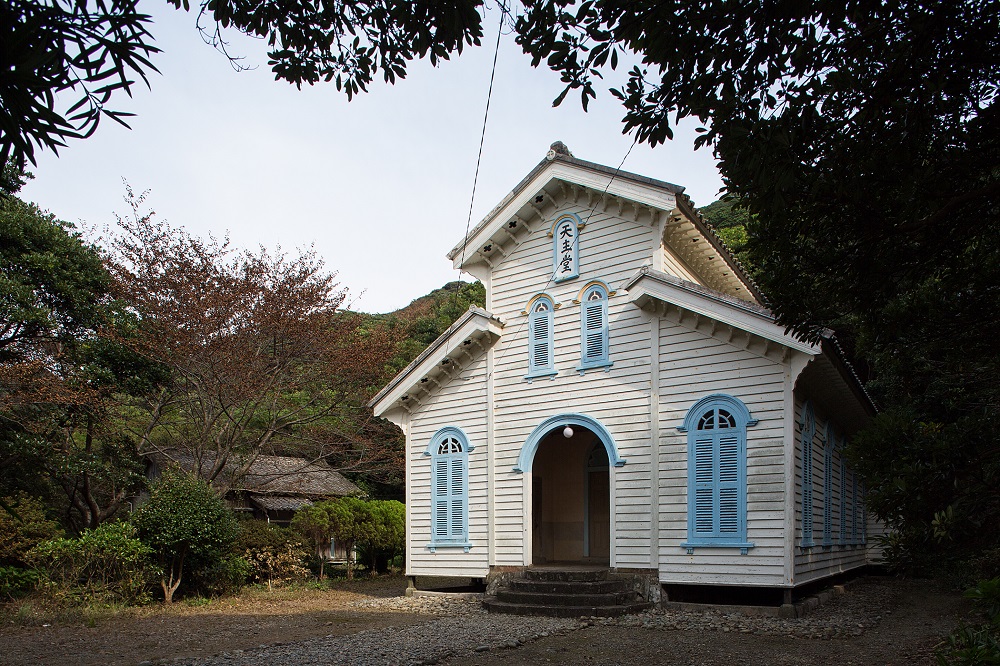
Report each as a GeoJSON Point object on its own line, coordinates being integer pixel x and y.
{"type": "Point", "coordinates": [625, 399]}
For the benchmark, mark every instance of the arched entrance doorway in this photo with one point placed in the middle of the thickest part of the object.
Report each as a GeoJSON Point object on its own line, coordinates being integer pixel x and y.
{"type": "Point", "coordinates": [569, 459]}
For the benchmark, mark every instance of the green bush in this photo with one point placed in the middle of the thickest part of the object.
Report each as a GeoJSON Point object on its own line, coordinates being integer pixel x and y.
{"type": "Point", "coordinates": [23, 529]}
{"type": "Point", "coordinates": [977, 645]}
{"type": "Point", "coordinates": [386, 537]}
{"type": "Point", "coordinates": [16, 581]}
{"type": "Point", "coordinates": [274, 555]}
{"type": "Point", "coordinates": [226, 575]}
{"type": "Point", "coordinates": [186, 524]}
{"type": "Point", "coordinates": [105, 564]}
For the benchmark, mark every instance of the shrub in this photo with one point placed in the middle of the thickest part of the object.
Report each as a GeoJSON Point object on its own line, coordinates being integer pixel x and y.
{"type": "Point", "coordinates": [313, 523]}
{"type": "Point", "coordinates": [21, 532]}
{"type": "Point", "coordinates": [16, 581]}
{"type": "Point", "coordinates": [387, 534]}
{"type": "Point", "coordinates": [226, 575]}
{"type": "Point", "coordinates": [107, 564]}
{"type": "Point", "coordinates": [975, 645]}
{"type": "Point", "coordinates": [274, 555]}
{"type": "Point", "coordinates": [184, 522]}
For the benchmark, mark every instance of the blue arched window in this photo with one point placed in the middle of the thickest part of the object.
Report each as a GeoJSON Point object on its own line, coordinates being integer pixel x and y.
{"type": "Point", "coordinates": [808, 435]}
{"type": "Point", "coordinates": [716, 429]}
{"type": "Point", "coordinates": [594, 328]}
{"type": "Point", "coordinates": [540, 352]}
{"type": "Point", "coordinates": [449, 452]}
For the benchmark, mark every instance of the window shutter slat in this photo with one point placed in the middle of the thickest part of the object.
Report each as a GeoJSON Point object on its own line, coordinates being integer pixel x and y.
{"type": "Point", "coordinates": [729, 466]}
{"type": "Point", "coordinates": [704, 464]}
{"type": "Point", "coordinates": [703, 511]}
{"type": "Point", "coordinates": [728, 511]}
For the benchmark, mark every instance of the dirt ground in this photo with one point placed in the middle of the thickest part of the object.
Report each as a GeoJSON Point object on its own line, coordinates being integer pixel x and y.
{"type": "Point", "coordinates": [252, 619]}
{"type": "Point", "coordinates": [920, 614]}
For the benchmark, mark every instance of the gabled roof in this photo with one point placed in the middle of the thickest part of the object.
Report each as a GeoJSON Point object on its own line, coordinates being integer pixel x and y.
{"type": "Point", "coordinates": [653, 290]}
{"type": "Point", "coordinates": [270, 475]}
{"type": "Point", "coordinates": [560, 171]}
{"type": "Point", "coordinates": [473, 332]}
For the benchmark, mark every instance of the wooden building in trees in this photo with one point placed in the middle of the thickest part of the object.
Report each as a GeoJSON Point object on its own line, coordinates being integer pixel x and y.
{"type": "Point", "coordinates": [625, 398]}
{"type": "Point", "coordinates": [270, 488]}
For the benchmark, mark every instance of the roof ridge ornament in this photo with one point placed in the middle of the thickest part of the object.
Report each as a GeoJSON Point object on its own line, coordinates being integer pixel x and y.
{"type": "Point", "coordinates": [558, 149]}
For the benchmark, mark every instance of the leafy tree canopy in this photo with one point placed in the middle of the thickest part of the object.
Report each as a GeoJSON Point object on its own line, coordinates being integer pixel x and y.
{"type": "Point", "coordinates": [64, 60]}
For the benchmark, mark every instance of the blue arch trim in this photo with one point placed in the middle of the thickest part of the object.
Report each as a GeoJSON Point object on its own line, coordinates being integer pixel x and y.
{"type": "Point", "coordinates": [444, 432]}
{"type": "Point", "coordinates": [733, 404]}
{"type": "Point", "coordinates": [527, 456]}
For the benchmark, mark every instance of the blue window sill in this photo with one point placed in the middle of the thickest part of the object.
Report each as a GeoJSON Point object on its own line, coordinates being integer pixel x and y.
{"type": "Point", "coordinates": [540, 373]}
{"type": "Point", "coordinates": [583, 367]}
{"type": "Point", "coordinates": [744, 546]}
{"type": "Point", "coordinates": [464, 545]}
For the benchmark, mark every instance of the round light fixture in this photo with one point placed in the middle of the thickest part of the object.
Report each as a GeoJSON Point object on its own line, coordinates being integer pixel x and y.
{"type": "Point", "coordinates": [567, 432]}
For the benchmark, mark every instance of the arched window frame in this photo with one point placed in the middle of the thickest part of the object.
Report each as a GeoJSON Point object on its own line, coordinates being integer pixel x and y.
{"type": "Point", "coordinates": [806, 474]}
{"type": "Point", "coordinates": [449, 481]}
{"type": "Point", "coordinates": [717, 474]}
{"type": "Point", "coordinates": [594, 349]}
{"type": "Point", "coordinates": [541, 348]}
{"type": "Point", "coordinates": [566, 247]}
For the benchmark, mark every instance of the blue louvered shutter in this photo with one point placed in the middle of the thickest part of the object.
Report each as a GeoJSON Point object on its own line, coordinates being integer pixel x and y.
{"type": "Point", "coordinates": [441, 507]}
{"type": "Point", "coordinates": [457, 498]}
{"type": "Point", "coordinates": [808, 433]}
{"type": "Point", "coordinates": [594, 331]}
{"type": "Point", "coordinates": [540, 338]}
{"type": "Point", "coordinates": [728, 484]}
{"type": "Point", "coordinates": [704, 486]}
{"type": "Point", "coordinates": [717, 510]}
{"type": "Point", "coordinates": [828, 493]}
{"type": "Point", "coordinates": [843, 499]}
{"type": "Point", "coordinates": [449, 493]}
{"type": "Point", "coordinates": [594, 328]}
{"type": "Point", "coordinates": [854, 507]}
{"type": "Point", "coordinates": [864, 516]}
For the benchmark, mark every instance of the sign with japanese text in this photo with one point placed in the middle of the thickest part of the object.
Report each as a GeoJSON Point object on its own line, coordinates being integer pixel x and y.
{"type": "Point", "coordinates": [566, 247]}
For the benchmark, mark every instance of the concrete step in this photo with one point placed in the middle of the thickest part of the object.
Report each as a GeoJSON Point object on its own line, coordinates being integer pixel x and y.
{"type": "Point", "coordinates": [568, 587]}
{"type": "Point", "coordinates": [580, 575]}
{"type": "Point", "coordinates": [549, 599]}
{"type": "Point", "coordinates": [495, 606]}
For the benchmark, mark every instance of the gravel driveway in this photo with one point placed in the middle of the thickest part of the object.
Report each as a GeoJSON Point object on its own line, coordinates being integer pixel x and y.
{"type": "Point", "coordinates": [878, 621]}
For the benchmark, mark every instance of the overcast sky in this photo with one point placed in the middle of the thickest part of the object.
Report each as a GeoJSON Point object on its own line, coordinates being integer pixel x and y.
{"type": "Point", "coordinates": [380, 185]}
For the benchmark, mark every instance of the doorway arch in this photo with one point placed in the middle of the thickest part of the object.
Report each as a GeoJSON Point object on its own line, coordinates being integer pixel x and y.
{"type": "Point", "coordinates": [568, 460]}
{"type": "Point", "coordinates": [560, 421]}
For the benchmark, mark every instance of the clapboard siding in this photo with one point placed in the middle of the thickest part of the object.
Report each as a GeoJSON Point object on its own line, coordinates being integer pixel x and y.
{"type": "Point", "coordinates": [461, 402]}
{"type": "Point", "coordinates": [820, 560]}
{"type": "Point", "coordinates": [611, 250]}
{"type": "Point", "coordinates": [692, 365]}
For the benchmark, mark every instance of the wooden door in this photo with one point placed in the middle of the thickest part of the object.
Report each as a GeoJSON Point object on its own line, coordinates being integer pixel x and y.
{"type": "Point", "coordinates": [599, 514]}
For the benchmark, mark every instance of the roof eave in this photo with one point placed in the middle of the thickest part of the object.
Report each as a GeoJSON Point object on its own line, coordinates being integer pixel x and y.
{"type": "Point", "coordinates": [686, 207]}
{"type": "Point", "coordinates": [473, 326]}
{"type": "Point", "coordinates": [459, 254]}
{"type": "Point", "coordinates": [648, 283]}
